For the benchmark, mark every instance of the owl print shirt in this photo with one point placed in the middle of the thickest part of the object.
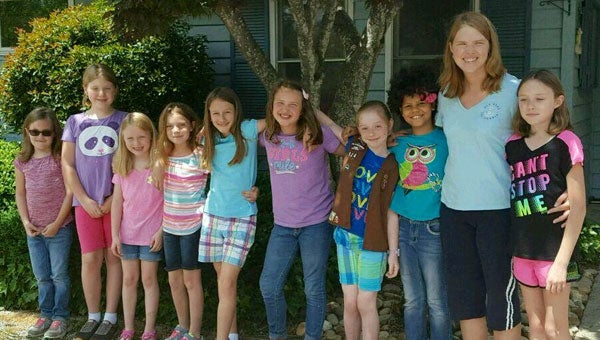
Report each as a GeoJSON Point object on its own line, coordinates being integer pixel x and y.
{"type": "Point", "coordinates": [421, 160]}
{"type": "Point", "coordinates": [96, 140]}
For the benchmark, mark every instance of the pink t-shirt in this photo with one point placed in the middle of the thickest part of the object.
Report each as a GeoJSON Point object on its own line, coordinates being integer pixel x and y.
{"type": "Point", "coordinates": [45, 189]}
{"type": "Point", "coordinates": [142, 207]}
{"type": "Point", "coordinates": [300, 179]}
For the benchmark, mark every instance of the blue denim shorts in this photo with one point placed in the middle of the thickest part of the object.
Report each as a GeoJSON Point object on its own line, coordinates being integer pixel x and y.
{"type": "Point", "coordinates": [181, 251]}
{"type": "Point", "coordinates": [133, 252]}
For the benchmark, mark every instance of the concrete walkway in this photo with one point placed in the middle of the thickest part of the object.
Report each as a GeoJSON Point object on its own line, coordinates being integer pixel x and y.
{"type": "Point", "coordinates": [589, 329]}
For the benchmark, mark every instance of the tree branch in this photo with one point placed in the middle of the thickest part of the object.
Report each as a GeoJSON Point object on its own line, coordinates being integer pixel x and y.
{"type": "Point", "coordinates": [232, 17]}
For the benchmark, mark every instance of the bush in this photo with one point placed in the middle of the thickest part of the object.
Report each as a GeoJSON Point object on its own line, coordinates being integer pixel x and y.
{"type": "Point", "coordinates": [589, 242]}
{"type": "Point", "coordinates": [46, 66]}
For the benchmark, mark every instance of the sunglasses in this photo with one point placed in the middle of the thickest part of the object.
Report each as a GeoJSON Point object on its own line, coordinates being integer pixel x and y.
{"type": "Point", "coordinates": [45, 133]}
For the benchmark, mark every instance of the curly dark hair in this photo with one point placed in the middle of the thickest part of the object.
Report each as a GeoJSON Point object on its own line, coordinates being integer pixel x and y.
{"type": "Point", "coordinates": [409, 82]}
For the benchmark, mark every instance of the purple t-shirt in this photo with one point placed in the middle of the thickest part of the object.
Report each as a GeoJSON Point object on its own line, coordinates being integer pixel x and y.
{"type": "Point", "coordinates": [300, 180]}
{"type": "Point", "coordinates": [96, 140]}
{"type": "Point", "coordinates": [45, 189]}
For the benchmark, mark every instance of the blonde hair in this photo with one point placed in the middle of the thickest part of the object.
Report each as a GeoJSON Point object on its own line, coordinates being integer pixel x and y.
{"type": "Point", "coordinates": [36, 114]}
{"type": "Point", "coordinates": [164, 145]}
{"type": "Point", "coordinates": [94, 72]}
{"type": "Point", "coordinates": [452, 79]}
{"type": "Point", "coordinates": [561, 119]}
{"type": "Point", "coordinates": [123, 160]}
{"type": "Point", "coordinates": [210, 131]}
{"type": "Point", "coordinates": [306, 122]}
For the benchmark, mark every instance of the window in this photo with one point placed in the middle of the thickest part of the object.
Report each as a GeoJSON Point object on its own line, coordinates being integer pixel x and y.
{"type": "Point", "coordinates": [588, 62]}
{"type": "Point", "coordinates": [15, 14]}
{"type": "Point", "coordinates": [420, 32]}
{"type": "Point", "coordinates": [286, 58]}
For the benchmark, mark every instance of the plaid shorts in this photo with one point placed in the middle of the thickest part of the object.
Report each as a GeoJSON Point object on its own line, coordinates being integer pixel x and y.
{"type": "Point", "coordinates": [358, 266]}
{"type": "Point", "coordinates": [226, 239]}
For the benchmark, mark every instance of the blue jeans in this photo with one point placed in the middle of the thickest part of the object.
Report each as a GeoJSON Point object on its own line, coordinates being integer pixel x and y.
{"type": "Point", "coordinates": [421, 270]}
{"type": "Point", "coordinates": [50, 263]}
{"type": "Point", "coordinates": [314, 242]}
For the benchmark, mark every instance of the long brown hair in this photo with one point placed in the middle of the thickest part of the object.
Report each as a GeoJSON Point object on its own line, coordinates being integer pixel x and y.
{"type": "Point", "coordinates": [210, 131]}
{"type": "Point", "coordinates": [94, 72]}
{"type": "Point", "coordinates": [452, 78]}
{"type": "Point", "coordinates": [561, 119]}
{"type": "Point", "coordinates": [40, 113]}
{"type": "Point", "coordinates": [164, 145]}
{"type": "Point", "coordinates": [123, 160]}
{"type": "Point", "coordinates": [306, 123]}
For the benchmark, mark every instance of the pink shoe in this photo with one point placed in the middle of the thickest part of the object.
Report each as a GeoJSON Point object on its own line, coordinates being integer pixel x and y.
{"type": "Point", "coordinates": [127, 334]}
{"type": "Point", "coordinates": [149, 335]}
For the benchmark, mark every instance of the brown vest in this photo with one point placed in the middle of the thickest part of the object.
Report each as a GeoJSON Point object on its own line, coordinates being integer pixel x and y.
{"type": "Point", "coordinates": [380, 197]}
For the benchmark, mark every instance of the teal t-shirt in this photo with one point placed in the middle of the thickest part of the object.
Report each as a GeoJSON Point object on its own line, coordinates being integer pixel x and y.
{"type": "Point", "coordinates": [228, 181]}
{"type": "Point", "coordinates": [421, 160]}
{"type": "Point", "coordinates": [477, 175]}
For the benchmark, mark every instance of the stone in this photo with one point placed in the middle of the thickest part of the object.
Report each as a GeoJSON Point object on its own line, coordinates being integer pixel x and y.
{"type": "Point", "coordinates": [392, 288]}
{"type": "Point", "coordinates": [301, 329]}
{"type": "Point", "coordinates": [573, 330]}
{"type": "Point", "coordinates": [573, 319]}
{"type": "Point", "coordinates": [333, 319]}
{"type": "Point", "coordinates": [332, 306]}
{"type": "Point", "coordinates": [585, 285]}
{"type": "Point", "coordinates": [327, 325]}
{"type": "Point", "coordinates": [387, 304]}
{"type": "Point", "coordinates": [590, 273]}
{"type": "Point", "coordinates": [524, 319]}
{"type": "Point", "coordinates": [379, 302]}
{"type": "Point", "coordinates": [330, 334]}
{"type": "Point", "coordinates": [385, 311]}
{"type": "Point", "coordinates": [383, 335]}
{"type": "Point", "coordinates": [339, 328]}
{"type": "Point", "coordinates": [384, 319]}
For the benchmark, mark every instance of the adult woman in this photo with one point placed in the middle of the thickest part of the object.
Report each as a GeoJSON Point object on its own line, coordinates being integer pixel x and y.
{"type": "Point", "coordinates": [476, 105]}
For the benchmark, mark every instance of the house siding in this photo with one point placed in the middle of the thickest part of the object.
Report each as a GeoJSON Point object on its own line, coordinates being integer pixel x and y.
{"type": "Point", "coordinates": [218, 46]}
{"type": "Point", "coordinates": [552, 47]}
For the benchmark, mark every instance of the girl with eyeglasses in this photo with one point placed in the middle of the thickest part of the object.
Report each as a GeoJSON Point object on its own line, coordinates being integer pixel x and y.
{"type": "Point", "coordinates": [44, 205]}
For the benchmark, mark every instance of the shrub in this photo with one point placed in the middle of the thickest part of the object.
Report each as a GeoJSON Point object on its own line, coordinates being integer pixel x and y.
{"type": "Point", "coordinates": [47, 64]}
{"type": "Point", "coordinates": [589, 242]}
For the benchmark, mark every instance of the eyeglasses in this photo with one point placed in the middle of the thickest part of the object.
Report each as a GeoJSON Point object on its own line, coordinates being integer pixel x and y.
{"type": "Point", "coordinates": [45, 133]}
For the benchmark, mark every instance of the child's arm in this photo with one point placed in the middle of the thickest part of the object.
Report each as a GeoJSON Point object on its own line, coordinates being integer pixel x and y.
{"type": "Point", "coordinates": [156, 242]}
{"type": "Point", "coordinates": [116, 214]}
{"type": "Point", "coordinates": [557, 275]}
{"type": "Point", "coordinates": [251, 195]}
{"type": "Point", "coordinates": [261, 125]}
{"type": "Point", "coordinates": [72, 181]}
{"type": "Point", "coordinates": [65, 209]}
{"type": "Point", "coordinates": [392, 233]}
{"type": "Point", "coordinates": [561, 205]}
{"type": "Point", "coordinates": [336, 129]}
{"type": "Point", "coordinates": [21, 200]}
{"type": "Point", "coordinates": [105, 207]}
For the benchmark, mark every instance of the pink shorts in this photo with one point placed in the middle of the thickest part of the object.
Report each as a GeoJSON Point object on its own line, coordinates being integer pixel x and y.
{"type": "Point", "coordinates": [93, 233]}
{"type": "Point", "coordinates": [531, 273]}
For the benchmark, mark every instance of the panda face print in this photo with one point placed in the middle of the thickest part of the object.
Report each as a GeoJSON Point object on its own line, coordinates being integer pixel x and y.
{"type": "Point", "coordinates": [98, 140]}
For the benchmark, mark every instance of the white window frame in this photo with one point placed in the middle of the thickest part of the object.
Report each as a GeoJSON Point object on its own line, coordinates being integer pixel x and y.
{"type": "Point", "coordinates": [274, 34]}
{"type": "Point", "coordinates": [4, 50]}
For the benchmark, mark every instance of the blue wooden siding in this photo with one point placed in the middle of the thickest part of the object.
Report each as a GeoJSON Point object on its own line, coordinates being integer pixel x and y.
{"type": "Point", "coordinates": [219, 45]}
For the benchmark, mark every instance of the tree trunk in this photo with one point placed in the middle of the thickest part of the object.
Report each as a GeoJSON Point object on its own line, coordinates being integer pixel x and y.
{"type": "Point", "coordinates": [359, 66]}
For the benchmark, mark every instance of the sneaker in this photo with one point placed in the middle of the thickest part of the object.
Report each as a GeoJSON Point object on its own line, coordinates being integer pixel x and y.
{"type": "Point", "coordinates": [177, 333]}
{"type": "Point", "coordinates": [105, 331]}
{"type": "Point", "coordinates": [188, 336]}
{"type": "Point", "coordinates": [57, 330]}
{"type": "Point", "coordinates": [87, 330]}
{"type": "Point", "coordinates": [149, 335]}
{"type": "Point", "coordinates": [127, 334]}
{"type": "Point", "coordinates": [39, 328]}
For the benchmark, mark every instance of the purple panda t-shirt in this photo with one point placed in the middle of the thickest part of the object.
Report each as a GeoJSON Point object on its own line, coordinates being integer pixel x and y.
{"type": "Point", "coordinates": [96, 140]}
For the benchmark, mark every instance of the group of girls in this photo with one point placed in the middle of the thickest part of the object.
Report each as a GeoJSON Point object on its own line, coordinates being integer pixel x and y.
{"type": "Point", "coordinates": [150, 197]}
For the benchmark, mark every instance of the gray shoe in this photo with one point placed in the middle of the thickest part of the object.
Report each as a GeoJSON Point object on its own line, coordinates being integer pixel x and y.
{"type": "Point", "coordinates": [57, 330]}
{"type": "Point", "coordinates": [39, 328]}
